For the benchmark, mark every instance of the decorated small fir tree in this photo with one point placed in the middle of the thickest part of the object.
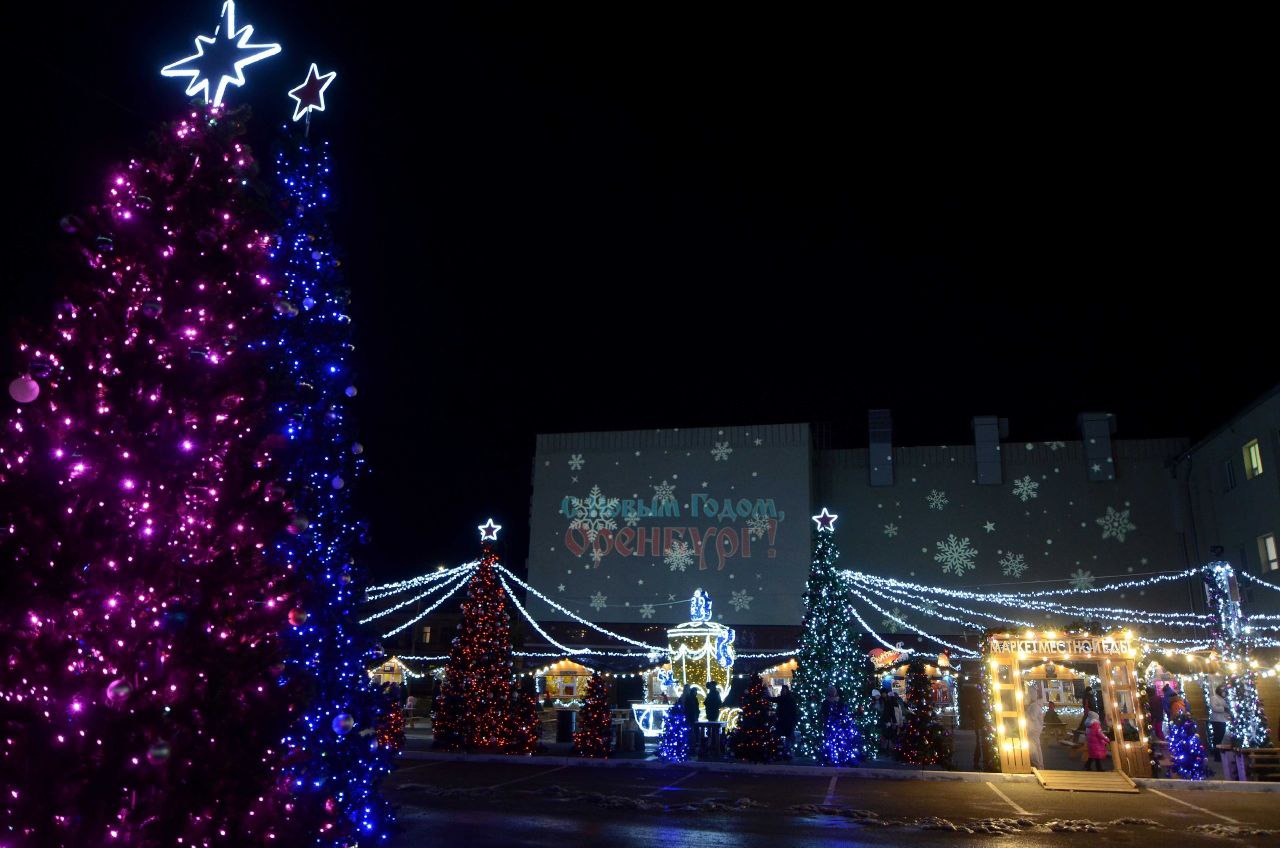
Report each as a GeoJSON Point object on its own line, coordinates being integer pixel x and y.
{"type": "Point", "coordinates": [841, 739]}
{"type": "Point", "coordinates": [526, 719]}
{"type": "Point", "coordinates": [921, 740]}
{"type": "Point", "coordinates": [755, 740]}
{"type": "Point", "coordinates": [1186, 750]}
{"type": "Point", "coordinates": [390, 732]}
{"type": "Point", "coordinates": [595, 723]}
{"type": "Point", "coordinates": [673, 745]}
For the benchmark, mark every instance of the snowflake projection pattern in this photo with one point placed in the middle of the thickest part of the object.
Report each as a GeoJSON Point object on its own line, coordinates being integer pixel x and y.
{"type": "Point", "coordinates": [664, 492]}
{"type": "Point", "coordinates": [1082, 579]}
{"type": "Point", "coordinates": [593, 513]}
{"type": "Point", "coordinates": [721, 451]}
{"type": "Point", "coordinates": [740, 600]}
{"type": "Point", "coordinates": [1013, 565]}
{"type": "Point", "coordinates": [647, 611]}
{"type": "Point", "coordinates": [936, 499]}
{"type": "Point", "coordinates": [891, 530]}
{"type": "Point", "coordinates": [598, 601]}
{"type": "Point", "coordinates": [632, 519]}
{"type": "Point", "coordinates": [1115, 524]}
{"type": "Point", "coordinates": [679, 556]}
{"type": "Point", "coordinates": [1025, 489]}
{"type": "Point", "coordinates": [576, 462]}
{"type": "Point", "coordinates": [888, 624]}
{"type": "Point", "coordinates": [955, 555]}
{"type": "Point", "coordinates": [759, 525]}
{"type": "Point", "coordinates": [596, 556]}
{"type": "Point", "coordinates": [1053, 446]}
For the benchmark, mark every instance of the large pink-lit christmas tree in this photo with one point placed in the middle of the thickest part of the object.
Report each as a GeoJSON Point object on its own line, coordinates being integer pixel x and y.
{"type": "Point", "coordinates": [139, 613]}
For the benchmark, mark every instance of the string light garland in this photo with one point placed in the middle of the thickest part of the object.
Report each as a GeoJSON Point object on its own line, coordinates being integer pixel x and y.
{"type": "Point", "coordinates": [458, 584]}
{"type": "Point", "coordinates": [456, 575]}
{"type": "Point", "coordinates": [1042, 593]}
{"type": "Point", "coordinates": [377, 593]}
{"type": "Point", "coordinates": [575, 616]}
{"type": "Point", "coordinates": [960, 649]}
{"type": "Point", "coordinates": [1248, 724]}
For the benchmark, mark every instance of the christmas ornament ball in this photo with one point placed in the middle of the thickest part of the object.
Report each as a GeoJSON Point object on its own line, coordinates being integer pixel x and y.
{"type": "Point", "coordinates": [297, 616]}
{"type": "Point", "coordinates": [342, 723]}
{"type": "Point", "coordinates": [24, 389]}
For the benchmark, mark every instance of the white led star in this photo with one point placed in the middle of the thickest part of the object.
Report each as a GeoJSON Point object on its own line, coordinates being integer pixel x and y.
{"type": "Point", "coordinates": [310, 95]}
{"type": "Point", "coordinates": [220, 61]}
{"type": "Point", "coordinates": [825, 520]}
{"type": "Point", "coordinates": [489, 531]}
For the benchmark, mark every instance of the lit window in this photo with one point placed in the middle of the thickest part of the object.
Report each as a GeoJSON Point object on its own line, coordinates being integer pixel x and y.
{"type": "Point", "coordinates": [1228, 476]}
{"type": "Point", "coordinates": [1267, 552]}
{"type": "Point", "coordinates": [1252, 460]}
{"type": "Point", "coordinates": [426, 634]}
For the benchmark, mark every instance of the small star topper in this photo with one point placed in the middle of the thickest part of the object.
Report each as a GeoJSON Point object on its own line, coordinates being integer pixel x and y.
{"type": "Point", "coordinates": [229, 51]}
{"type": "Point", "coordinates": [489, 531]}
{"type": "Point", "coordinates": [825, 520]}
{"type": "Point", "coordinates": [310, 95]}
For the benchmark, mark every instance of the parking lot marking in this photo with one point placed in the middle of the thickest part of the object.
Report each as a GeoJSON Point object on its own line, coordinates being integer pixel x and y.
{"type": "Point", "coordinates": [831, 789]}
{"type": "Point", "coordinates": [1194, 807]}
{"type": "Point", "coordinates": [671, 785]}
{"type": "Point", "coordinates": [1008, 800]}
{"type": "Point", "coordinates": [529, 777]}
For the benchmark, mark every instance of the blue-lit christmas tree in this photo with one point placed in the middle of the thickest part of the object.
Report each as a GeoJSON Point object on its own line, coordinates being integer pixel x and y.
{"type": "Point", "coordinates": [1186, 750]}
{"type": "Point", "coordinates": [673, 745]}
{"type": "Point", "coordinates": [329, 761]}
{"type": "Point", "coordinates": [841, 739]}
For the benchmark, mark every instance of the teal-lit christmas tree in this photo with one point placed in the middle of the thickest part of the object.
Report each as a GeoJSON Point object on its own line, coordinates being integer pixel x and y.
{"type": "Point", "coordinates": [830, 654]}
{"type": "Point", "coordinates": [673, 745]}
{"type": "Point", "coordinates": [755, 739]}
{"type": "Point", "coordinates": [1186, 750]}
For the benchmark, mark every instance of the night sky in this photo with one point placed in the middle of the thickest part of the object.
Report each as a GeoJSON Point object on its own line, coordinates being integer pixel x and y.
{"type": "Point", "coordinates": [613, 216]}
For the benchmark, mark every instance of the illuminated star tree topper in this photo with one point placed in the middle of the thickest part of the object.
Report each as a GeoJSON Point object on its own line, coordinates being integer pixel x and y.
{"type": "Point", "coordinates": [825, 520]}
{"type": "Point", "coordinates": [221, 57]}
{"type": "Point", "coordinates": [310, 95]}
{"type": "Point", "coordinates": [489, 531]}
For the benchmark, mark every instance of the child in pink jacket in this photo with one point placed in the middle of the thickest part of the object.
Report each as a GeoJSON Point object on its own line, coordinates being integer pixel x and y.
{"type": "Point", "coordinates": [1096, 741]}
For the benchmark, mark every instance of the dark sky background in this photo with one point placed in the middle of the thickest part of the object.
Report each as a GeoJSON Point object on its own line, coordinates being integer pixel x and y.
{"type": "Point", "coordinates": [621, 216]}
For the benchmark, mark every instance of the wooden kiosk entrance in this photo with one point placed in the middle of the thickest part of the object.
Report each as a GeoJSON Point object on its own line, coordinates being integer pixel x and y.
{"type": "Point", "coordinates": [1011, 660]}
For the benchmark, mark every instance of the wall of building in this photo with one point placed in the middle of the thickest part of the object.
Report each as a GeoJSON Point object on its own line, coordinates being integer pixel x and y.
{"type": "Point", "coordinates": [1234, 517]}
{"type": "Point", "coordinates": [1045, 525]}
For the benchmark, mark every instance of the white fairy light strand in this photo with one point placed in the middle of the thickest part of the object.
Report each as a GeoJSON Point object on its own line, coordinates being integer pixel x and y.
{"type": "Point", "coordinates": [1259, 581]}
{"type": "Point", "coordinates": [405, 603]}
{"type": "Point", "coordinates": [1023, 602]}
{"type": "Point", "coordinates": [902, 597]}
{"type": "Point", "coordinates": [575, 616]}
{"type": "Point", "coordinates": [462, 581]}
{"type": "Point", "coordinates": [1044, 593]}
{"type": "Point", "coordinates": [544, 634]}
{"type": "Point", "coordinates": [373, 593]}
{"type": "Point", "coordinates": [962, 650]}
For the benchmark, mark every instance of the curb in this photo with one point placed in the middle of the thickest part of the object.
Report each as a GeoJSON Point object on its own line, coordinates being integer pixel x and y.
{"type": "Point", "coordinates": [814, 771]}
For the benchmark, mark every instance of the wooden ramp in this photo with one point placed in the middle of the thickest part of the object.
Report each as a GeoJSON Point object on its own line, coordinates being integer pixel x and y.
{"type": "Point", "coordinates": [1085, 781]}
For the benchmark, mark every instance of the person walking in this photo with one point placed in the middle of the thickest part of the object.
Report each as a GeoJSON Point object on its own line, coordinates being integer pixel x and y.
{"type": "Point", "coordinates": [1035, 727]}
{"type": "Point", "coordinates": [410, 704]}
{"type": "Point", "coordinates": [1219, 715]}
{"type": "Point", "coordinates": [1096, 742]}
{"type": "Point", "coordinates": [713, 702]}
{"type": "Point", "coordinates": [787, 717]}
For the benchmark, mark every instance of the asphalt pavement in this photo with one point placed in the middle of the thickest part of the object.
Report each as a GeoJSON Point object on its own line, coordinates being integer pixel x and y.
{"type": "Point", "coordinates": [527, 802]}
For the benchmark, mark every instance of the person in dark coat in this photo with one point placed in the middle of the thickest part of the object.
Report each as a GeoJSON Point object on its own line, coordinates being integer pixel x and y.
{"type": "Point", "coordinates": [689, 703]}
{"type": "Point", "coordinates": [713, 702]}
{"type": "Point", "coordinates": [787, 716]}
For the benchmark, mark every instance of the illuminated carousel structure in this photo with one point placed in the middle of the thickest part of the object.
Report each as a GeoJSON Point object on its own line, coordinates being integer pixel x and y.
{"type": "Point", "coordinates": [698, 651]}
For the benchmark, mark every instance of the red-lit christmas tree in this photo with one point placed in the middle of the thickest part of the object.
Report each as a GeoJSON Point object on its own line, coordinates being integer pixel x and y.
{"type": "Point", "coordinates": [390, 733]}
{"type": "Point", "coordinates": [922, 740]}
{"type": "Point", "coordinates": [139, 613]}
{"type": "Point", "coordinates": [755, 740]}
{"type": "Point", "coordinates": [594, 735]}
{"type": "Point", "coordinates": [475, 699]}
{"type": "Point", "coordinates": [526, 719]}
